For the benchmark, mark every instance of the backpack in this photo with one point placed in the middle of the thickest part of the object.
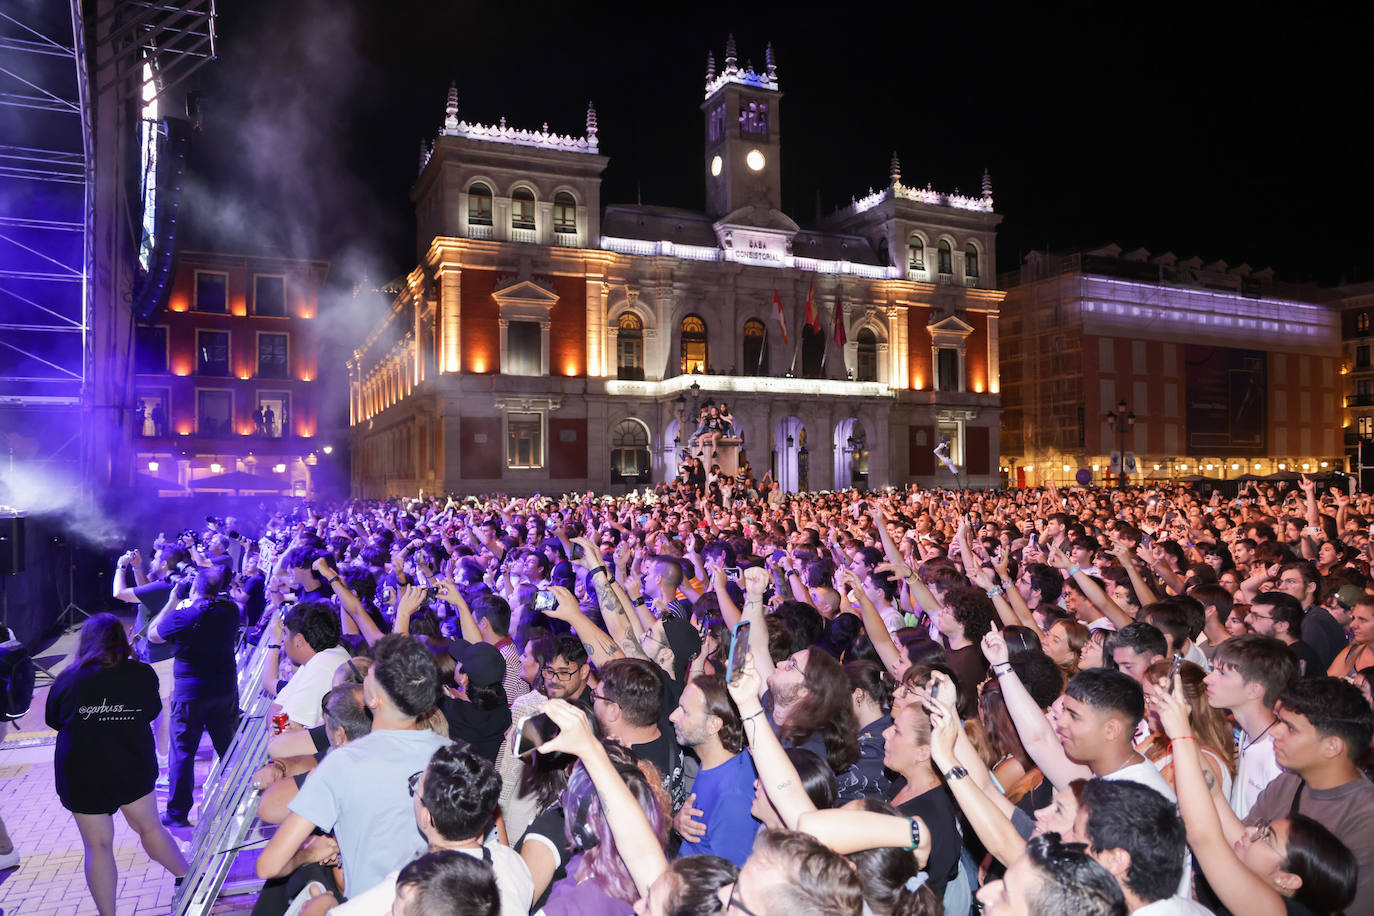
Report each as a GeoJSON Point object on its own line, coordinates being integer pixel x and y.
{"type": "Point", "coordinates": [17, 674]}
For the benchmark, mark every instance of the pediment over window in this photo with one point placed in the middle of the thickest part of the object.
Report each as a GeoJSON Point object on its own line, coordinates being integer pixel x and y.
{"type": "Point", "coordinates": [525, 298]}
{"type": "Point", "coordinates": [950, 324]}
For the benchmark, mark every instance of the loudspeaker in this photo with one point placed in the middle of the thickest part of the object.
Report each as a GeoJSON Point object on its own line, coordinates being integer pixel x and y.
{"type": "Point", "coordinates": [11, 545]}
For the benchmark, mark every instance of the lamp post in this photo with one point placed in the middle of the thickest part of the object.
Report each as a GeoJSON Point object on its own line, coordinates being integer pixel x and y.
{"type": "Point", "coordinates": [1121, 420]}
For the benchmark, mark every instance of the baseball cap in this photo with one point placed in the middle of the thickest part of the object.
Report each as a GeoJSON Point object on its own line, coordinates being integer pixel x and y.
{"type": "Point", "coordinates": [482, 663]}
{"type": "Point", "coordinates": [1350, 595]}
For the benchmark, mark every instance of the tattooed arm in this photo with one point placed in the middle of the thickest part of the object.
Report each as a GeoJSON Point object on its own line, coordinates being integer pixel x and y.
{"type": "Point", "coordinates": [600, 647]}
{"type": "Point", "coordinates": [612, 608]}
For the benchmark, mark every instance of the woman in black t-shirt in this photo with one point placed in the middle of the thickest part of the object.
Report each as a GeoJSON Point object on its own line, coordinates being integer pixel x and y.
{"type": "Point", "coordinates": [102, 708]}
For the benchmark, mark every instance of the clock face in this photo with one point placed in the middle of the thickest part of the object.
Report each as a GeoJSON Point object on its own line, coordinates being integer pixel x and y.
{"type": "Point", "coordinates": [755, 160]}
{"type": "Point", "coordinates": [716, 165]}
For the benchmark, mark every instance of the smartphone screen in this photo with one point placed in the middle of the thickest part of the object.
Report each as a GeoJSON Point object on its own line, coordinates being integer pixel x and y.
{"type": "Point", "coordinates": [732, 573]}
{"type": "Point", "coordinates": [739, 651]}
{"type": "Point", "coordinates": [545, 600]}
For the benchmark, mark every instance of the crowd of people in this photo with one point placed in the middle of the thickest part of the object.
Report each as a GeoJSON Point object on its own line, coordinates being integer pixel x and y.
{"type": "Point", "coordinates": [690, 701]}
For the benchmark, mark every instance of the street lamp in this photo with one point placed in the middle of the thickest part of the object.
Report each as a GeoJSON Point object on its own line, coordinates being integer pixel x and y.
{"type": "Point", "coordinates": [1121, 420]}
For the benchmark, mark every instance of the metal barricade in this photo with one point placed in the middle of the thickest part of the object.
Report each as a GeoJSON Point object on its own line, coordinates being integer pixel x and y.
{"type": "Point", "coordinates": [228, 814]}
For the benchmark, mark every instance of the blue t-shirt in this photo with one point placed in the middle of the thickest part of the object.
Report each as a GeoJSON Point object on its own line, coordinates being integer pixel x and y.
{"type": "Point", "coordinates": [203, 634]}
{"type": "Point", "coordinates": [725, 794]}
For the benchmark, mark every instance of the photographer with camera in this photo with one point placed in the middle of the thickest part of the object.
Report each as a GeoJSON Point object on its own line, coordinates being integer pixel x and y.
{"type": "Point", "coordinates": [201, 625]}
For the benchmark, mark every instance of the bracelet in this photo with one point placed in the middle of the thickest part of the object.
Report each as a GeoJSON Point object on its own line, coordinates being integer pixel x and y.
{"type": "Point", "coordinates": [1075, 568]}
{"type": "Point", "coordinates": [278, 766]}
{"type": "Point", "coordinates": [331, 581]}
{"type": "Point", "coordinates": [955, 773]}
{"type": "Point", "coordinates": [638, 601]}
{"type": "Point", "coordinates": [915, 833]}
{"type": "Point", "coordinates": [596, 569]}
{"type": "Point", "coordinates": [994, 592]}
{"type": "Point", "coordinates": [753, 715]}
{"type": "Point", "coordinates": [1180, 738]}
{"type": "Point", "coordinates": [1001, 668]}
{"type": "Point", "coordinates": [274, 645]}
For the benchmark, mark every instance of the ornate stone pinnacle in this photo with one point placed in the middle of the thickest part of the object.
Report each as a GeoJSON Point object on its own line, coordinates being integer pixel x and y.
{"type": "Point", "coordinates": [771, 61]}
{"type": "Point", "coordinates": [451, 109]}
{"type": "Point", "coordinates": [894, 169]}
{"type": "Point", "coordinates": [731, 60]}
{"type": "Point", "coordinates": [987, 185]}
{"type": "Point", "coordinates": [710, 66]}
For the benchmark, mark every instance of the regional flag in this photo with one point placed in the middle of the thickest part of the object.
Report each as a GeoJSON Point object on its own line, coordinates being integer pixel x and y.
{"type": "Point", "coordinates": [782, 323]}
{"type": "Point", "coordinates": [813, 317]}
{"type": "Point", "coordinates": [840, 337]}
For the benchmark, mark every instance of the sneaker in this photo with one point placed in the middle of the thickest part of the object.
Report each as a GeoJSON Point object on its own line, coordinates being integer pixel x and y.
{"type": "Point", "coordinates": [304, 897]}
{"type": "Point", "coordinates": [171, 820]}
{"type": "Point", "coordinates": [9, 860]}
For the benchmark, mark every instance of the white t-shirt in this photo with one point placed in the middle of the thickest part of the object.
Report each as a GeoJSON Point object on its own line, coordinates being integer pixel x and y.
{"type": "Point", "coordinates": [1257, 768]}
{"type": "Point", "coordinates": [300, 698]}
{"type": "Point", "coordinates": [513, 882]}
{"type": "Point", "coordinates": [1173, 906]}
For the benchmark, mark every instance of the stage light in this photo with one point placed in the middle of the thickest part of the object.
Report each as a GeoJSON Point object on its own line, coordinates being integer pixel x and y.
{"type": "Point", "coordinates": [152, 465]}
{"type": "Point", "coordinates": [280, 468]}
{"type": "Point", "coordinates": [329, 449]}
{"type": "Point", "coordinates": [216, 467]}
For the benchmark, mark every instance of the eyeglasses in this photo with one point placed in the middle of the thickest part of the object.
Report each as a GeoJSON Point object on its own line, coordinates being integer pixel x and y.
{"type": "Point", "coordinates": [414, 781]}
{"type": "Point", "coordinates": [557, 675]}
{"type": "Point", "coordinates": [602, 697]}
{"type": "Point", "coordinates": [1253, 614]}
{"type": "Point", "coordinates": [1264, 831]}
{"type": "Point", "coordinates": [736, 904]}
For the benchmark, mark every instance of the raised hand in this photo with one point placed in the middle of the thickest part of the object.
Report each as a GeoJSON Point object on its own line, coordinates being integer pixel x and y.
{"type": "Point", "coordinates": [995, 648]}
{"type": "Point", "coordinates": [575, 734]}
{"type": "Point", "coordinates": [1171, 707]}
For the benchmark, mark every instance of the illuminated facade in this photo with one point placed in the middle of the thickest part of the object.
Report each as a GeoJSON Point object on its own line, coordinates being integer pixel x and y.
{"type": "Point", "coordinates": [1356, 303]}
{"type": "Point", "coordinates": [227, 378]}
{"type": "Point", "coordinates": [545, 343]}
{"type": "Point", "coordinates": [1227, 371]}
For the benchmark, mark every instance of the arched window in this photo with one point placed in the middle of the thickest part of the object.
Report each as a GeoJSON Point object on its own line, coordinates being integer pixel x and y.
{"type": "Point", "coordinates": [946, 263]}
{"type": "Point", "coordinates": [522, 209]}
{"type": "Point", "coordinates": [629, 452]}
{"type": "Point", "coordinates": [971, 261]}
{"type": "Point", "coordinates": [695, 350]}
{"type": "Point", "coordinates": [479, 204]}
{"type": "Point", "coordinates": [564, 213]}
{"type": "Point", "coordinates": [755, 348]}
{"type": "Point", "coordinates": [915, 253]}
{"type": "Point", "coordinates": [866, 369]}
{"type": "Point", "coordinates": [630, 347]}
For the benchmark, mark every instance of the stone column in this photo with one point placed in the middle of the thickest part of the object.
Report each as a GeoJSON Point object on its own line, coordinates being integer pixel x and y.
{"type": "Point", "coordinates": [450, 309]}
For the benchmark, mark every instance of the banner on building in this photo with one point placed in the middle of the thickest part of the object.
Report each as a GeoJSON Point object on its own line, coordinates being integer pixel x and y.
{"type": "Point", "coordinates": [1227, 394]}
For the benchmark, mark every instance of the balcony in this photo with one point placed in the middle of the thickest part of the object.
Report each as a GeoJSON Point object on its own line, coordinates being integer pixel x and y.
{"type": "Point", "coordinates": [479, 231]}
{"type": "Point", "coordinates": [523, 235]}
{"type": "Point", "coordinates": [1359, 400]}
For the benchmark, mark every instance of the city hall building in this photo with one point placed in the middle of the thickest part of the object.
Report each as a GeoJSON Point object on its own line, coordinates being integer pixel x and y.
{"type": "Point", "coordinates": [547, 343]}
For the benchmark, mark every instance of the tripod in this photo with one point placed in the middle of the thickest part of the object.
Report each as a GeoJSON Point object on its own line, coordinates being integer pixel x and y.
{"type": "Point", "coordinates": [69, 615]}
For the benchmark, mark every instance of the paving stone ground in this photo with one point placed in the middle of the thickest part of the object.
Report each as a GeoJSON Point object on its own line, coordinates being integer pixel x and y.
{"type": "Point", "coordinates": [49, 880]}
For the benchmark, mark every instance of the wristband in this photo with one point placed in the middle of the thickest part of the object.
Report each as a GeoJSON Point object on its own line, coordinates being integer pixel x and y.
{"type": "Point", "coordinates": [1001, 668]}
{"type": "Point", "coordinates": [638, 601]}
{"type": "Point", "coordinates": [994, 592]}
{"type": "Point", "coordinates": [753, 715]}
{"type": "Point", "coordinates": [274, 645]}
{"type": "Point", "coordinates": [596, 569]}
{"type": "Point", "coordinates": [955, 773]}
{"type": "Point", "coordinates": [278, 766]}
{"type": "Point", "coordinates": [915, 834]}
{"type": "Point", "coordinates": [1180, 738]}
{"type": "Point", "coordinates": [331, 580]}
{"type": "Point", "coordinates": [1075, 568]}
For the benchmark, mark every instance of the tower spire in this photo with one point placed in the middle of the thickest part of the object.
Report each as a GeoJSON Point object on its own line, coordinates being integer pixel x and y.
{"type": "Point", "coordinates": [894, 169]}
{"type": "Point", "coordinates": [451, 109]}
{"type": "Point", "coordinates": [710, 66]}
{"type": "Point", "coordinates": [731, 59]}
{"type": "Point", "coordinates": [771, 62]}
{"type": "Point", "coordinates": [591, 125]}
{"type": "Point", "coordinates": [987, 186]}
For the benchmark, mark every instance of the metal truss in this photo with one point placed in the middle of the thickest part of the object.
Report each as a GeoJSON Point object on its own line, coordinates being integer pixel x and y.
{"type": "Point", "coordinates": [45, 206]}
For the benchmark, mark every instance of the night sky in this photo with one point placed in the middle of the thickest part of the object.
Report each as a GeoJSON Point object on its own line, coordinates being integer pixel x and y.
{"type": "Point", "coordinates": [1169, 127]}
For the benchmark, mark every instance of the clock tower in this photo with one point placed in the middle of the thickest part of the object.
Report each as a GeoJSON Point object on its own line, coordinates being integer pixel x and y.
{"type": "Point", "coordinates": [742, 135]}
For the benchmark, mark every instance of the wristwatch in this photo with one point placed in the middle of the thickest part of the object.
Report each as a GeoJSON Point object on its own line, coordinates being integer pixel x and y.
{"type": "Point", "coordinates": [954, 773]}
